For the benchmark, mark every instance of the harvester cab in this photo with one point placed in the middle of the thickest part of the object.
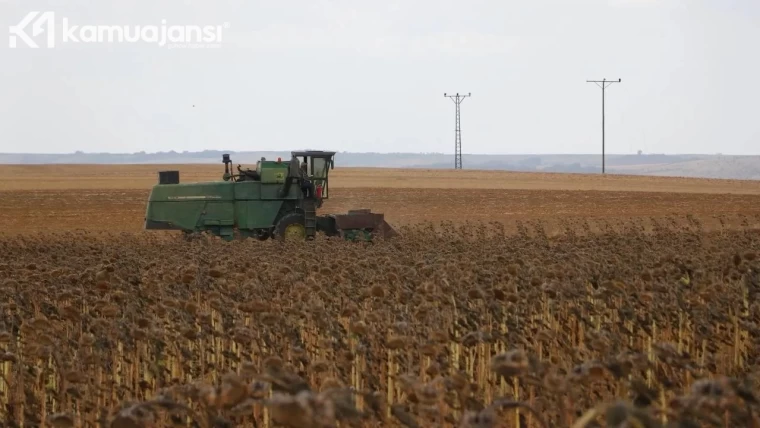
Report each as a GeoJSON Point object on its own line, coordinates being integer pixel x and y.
{"type": "Point", "coordinates": [311, 173]}
{"type": "Point", "coordinates": [278, 199]}
{"type": "Point", "coordinates": [314, 168]}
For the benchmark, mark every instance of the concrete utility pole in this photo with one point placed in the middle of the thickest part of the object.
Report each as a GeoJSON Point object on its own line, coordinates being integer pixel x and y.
{"type": "Point", "coordinates": [457, 130]}
{"type": "Point", "coordinates": [604, 84]}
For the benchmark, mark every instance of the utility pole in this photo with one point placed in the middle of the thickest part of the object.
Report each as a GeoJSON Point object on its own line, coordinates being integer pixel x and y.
{"type": "Point", "coordinates": [457, 130]}
{"type": "Point", "coordinates": [604, 83]}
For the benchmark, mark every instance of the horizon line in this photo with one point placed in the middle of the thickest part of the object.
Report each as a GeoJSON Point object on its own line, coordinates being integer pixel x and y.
{"type": "Point", "coordinates": [79, 152]}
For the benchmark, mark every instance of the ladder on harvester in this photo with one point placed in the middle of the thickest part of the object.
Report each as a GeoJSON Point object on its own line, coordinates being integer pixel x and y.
{"type": "Point", "coordinates": [309, 217]}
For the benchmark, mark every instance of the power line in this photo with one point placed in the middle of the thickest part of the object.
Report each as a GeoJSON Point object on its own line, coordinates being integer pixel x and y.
{"type": "Point", "coordinates": [457, 130]}
{"type": "Point", "coordinates": [604, 84]}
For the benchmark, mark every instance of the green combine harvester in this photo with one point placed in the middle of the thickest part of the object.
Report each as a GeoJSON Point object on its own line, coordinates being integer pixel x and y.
{"type": "Point", "coordinates": [277, 200]}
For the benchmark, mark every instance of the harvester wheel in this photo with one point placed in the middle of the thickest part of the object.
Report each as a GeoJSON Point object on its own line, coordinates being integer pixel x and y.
{"type": "Point", "coordinates": [291, 227]}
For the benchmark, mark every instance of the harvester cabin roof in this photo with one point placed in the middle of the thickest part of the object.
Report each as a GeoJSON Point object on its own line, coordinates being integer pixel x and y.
{"type": "Point", "coordinates": [312, 153]}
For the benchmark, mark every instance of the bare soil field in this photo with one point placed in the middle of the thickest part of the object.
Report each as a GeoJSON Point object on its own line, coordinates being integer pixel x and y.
{"type": "Point", "coordinates": [112, 197]}
{"type": "Point", "coordinates": [54, 177]}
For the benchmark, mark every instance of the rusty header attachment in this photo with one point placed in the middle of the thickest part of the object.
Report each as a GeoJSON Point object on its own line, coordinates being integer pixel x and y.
{"type": "Point", "coordinates": [363, 222]}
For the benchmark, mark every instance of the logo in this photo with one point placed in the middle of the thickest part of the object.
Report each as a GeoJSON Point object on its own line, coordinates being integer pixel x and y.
{"type": "Point", "coordinates": [42, 22]}
{"type": "Point", "coordinates": [170, 36]}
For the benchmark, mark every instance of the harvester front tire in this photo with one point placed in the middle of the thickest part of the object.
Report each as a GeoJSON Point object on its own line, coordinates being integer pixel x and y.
{"type": "Point", "coordinates": [291, 226]}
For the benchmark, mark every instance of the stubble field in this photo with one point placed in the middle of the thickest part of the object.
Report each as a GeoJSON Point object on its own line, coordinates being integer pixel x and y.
{"type": "Point", "coordinates": [54, 198]}
{"type": "Point", "coordinates": [509, 300]}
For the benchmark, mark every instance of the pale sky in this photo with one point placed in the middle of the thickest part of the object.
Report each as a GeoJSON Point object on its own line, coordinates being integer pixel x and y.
{"type": "Point", "coordinates": [370, 76]}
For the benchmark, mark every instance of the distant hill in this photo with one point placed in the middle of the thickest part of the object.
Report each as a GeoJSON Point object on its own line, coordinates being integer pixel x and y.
{"type": "Point", "coordinates": [704, 166]}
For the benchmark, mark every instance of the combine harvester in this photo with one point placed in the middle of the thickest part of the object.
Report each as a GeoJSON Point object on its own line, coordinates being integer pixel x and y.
{"type": "Point", "coordinates": [276, 200]}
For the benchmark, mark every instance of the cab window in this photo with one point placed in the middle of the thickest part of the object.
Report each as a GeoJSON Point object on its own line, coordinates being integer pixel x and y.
{"type": "Point", "coordinates": [320, 167]}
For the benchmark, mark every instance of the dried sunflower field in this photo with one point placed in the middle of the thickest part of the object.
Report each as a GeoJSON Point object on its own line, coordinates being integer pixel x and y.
{"type": "Point", "coordinates": [460, 325]}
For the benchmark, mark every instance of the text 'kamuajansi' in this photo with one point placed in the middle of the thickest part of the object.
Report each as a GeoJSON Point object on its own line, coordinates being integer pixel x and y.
{"type": "Point", "coordinates": [36, 23]}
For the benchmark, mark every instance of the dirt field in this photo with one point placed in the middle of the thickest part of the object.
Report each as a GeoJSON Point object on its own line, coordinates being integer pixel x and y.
{"type": "Point", "coordinates": [112, 197]}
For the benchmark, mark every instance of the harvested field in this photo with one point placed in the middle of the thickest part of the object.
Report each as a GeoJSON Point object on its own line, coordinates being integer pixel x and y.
{"type": "Point", "coordinates": [62, 177]}
{"type": "Point", "coordinates": [571, 302]}
{"type": "Point", "coordinates": [54, 198]}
